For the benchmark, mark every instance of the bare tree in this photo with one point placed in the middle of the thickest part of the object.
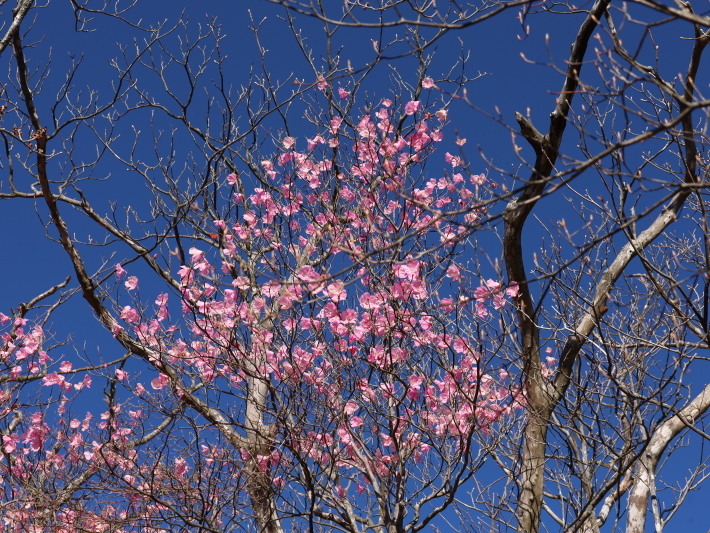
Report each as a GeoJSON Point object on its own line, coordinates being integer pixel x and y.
{"type": "Point", "coordinates": [322, 322]}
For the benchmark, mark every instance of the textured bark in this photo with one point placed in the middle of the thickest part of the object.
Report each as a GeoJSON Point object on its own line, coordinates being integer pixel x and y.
{"type": "Point", "coordinates": [539, 395]}
{"type": "Point", "coordinates": [532, 473]}
{"type": "Point", "coordinates": [647, 463]}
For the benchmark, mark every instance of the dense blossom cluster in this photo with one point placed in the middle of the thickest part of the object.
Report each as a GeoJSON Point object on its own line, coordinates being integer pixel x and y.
{"type": "Point", "coordinates": [335, 283]}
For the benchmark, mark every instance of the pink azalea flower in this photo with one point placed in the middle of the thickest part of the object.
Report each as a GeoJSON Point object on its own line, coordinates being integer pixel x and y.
{"type": "Point", "coordinates": [180, 467]}
{"type": "Point", "coordinates": [478, 179]}
{"type": "Point", "coordinates": [350, 407]}
{"type": "Point", "coordinates": [513, 289]}
{"type": "Point", "coordinates": [160, 382]}
{"type": "Point", "coordinates": [412, 107]}
{"type": "Point", "coordinates": [129, 314]}
{"type": "Point", "coordinates": [453, 272]}
{"type": "Point", "coordinates": [52, 379]}
{"type": "Point", "coordinates": [10, 442]}
{"type": "Point", "coordinates": [427, 83]}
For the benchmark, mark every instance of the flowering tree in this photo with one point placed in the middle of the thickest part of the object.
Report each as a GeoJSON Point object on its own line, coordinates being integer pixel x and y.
{"type": "Point", "coordinates": [336, 322]}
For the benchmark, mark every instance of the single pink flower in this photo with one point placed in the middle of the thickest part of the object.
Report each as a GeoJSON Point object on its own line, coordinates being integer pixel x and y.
{"type": "Point", "coordinates": [129, 314]}
{"type": "Point", "coordinates": [160, 382]}
{"type": "Point", "coordinates": [453, 272]}
{"type": "Point", "coordinates": [412, 107]}
{"type": "Point", "coordinates": [52, 379]}
{"type": "Point", "coordinates": [513, 289]}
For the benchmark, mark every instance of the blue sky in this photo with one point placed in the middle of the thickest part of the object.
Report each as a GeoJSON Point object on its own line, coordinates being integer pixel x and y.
{"type": "Point", "coordinates": [515, 75]}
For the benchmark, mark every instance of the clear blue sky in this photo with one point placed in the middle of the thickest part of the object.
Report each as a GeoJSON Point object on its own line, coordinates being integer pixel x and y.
{"type": "Point", "coordinates": [515, 76]}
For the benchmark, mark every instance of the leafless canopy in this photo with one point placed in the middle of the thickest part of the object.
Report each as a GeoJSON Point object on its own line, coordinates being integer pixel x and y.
{"type": "Point", "coordinates": [596, 167]}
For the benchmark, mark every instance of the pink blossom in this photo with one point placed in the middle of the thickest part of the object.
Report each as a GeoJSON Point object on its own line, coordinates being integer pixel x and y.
{"type": "Point", "coordinates": [196, 255]}
{"type": "Point", "coordinates": [512, 290]}
{"type": "Point", "coordinates": [84, 383]}
{"type": "Point", "coordinates": [232, 179]}
{"type": "Point", "coordinates": [453, 272]}
{"type": "Point", "coordinates": [478, 179]}
{"type": "Point", "coordinates": [350, 407]}
{"type": "Point", "coordinates": [288, 143]}
{"type": "Point", "coordinates": [415, 384]}
{"type": "Point", "coordinates": [408, 271]}
{"type": "Point", "coordinates": [271, 289]}
{"type": "Point", "coordinates": [76, 440]}
{"type": "Point", "coordinates": [427, 83]}
{"type": "Point", "coordinates": [180, 467]}
{"type": "Point", "coordinates": [343, 93]}
{"type": "Point", "coordinates": [129, 314]}
{"type": "Point", "coordinates": [412, 107]}
{"type": "Point", "coordinates": [335, 123]}
{"type": "Point", "coordinates": [53, 379]}
{"type": "Point", "coordinates": [454, 160]}
{"type": "Point", "coordinates": [160, 382]}
{"type": "Point", "coordinates": [322, 83]}
{"type": "Point", "coordinates": [336, 291]}
{"type": "Point", "coordinates": [119, 271]}
{"type": "Point", "coordinates": [447, 305]}
{"type": "Point", "coordinates": [315, 141]}
{"type": "Point", "coordinates": [10, 442]}
{"type": "Point", "coordinates": [493, 285]}
{"type": "Point", "coordinates": [481, 311]}
{"type": "Point", "coordinates": [498, 301]}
